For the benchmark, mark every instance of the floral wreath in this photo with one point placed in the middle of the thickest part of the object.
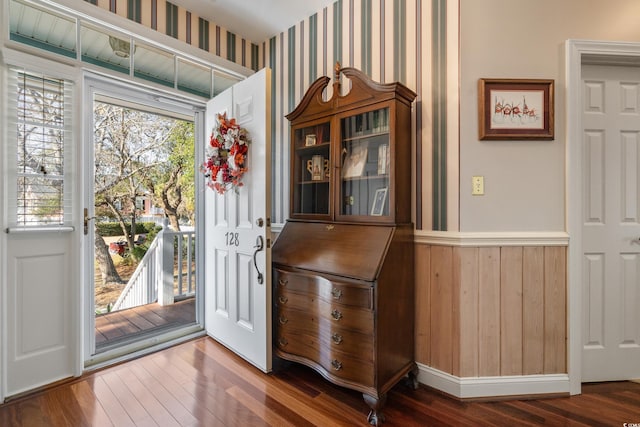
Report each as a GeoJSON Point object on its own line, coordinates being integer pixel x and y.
{"type": "Point", "coordinates": [226, 156]}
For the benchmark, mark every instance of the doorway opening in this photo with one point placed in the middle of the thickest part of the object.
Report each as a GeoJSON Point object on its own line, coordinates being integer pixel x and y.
{"type": "Point", "coordinates": [140, 224]}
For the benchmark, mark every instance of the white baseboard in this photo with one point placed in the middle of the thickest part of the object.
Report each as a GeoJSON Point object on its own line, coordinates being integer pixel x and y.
{"type": "Point", "coordinates": [476, 387]}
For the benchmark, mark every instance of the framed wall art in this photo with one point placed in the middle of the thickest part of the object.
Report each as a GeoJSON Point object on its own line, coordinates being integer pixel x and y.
{"type": "Point", "coordinates": [515, 109]}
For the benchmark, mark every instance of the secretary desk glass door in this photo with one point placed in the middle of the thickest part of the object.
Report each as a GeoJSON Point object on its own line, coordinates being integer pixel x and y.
{"type": "Point", "coordinates": [365, 170]}
{"type": "Point", "coordinates": [311, 172]}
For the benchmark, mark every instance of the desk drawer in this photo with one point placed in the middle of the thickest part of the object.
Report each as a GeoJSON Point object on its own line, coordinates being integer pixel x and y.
{"type": "Point", "coordinates": [344, 293]}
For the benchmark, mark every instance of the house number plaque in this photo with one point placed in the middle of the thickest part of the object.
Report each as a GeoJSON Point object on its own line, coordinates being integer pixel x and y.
{"type": "Point", "coordinates": [232, 239]}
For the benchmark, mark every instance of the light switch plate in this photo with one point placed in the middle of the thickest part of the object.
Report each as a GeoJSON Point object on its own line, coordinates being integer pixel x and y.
{"type": "Point", "coordinates": [477, 185]}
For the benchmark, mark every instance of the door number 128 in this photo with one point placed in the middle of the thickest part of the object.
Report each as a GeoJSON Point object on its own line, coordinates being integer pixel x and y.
{"type": "Point", "coordinates": [232, 239]}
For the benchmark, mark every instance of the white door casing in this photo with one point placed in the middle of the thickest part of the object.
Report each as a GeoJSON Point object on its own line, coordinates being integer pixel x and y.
{"type": "Point", "coordinates": [611, 223]}
{"type": "Point", "coordinates": [237, 303]}
{"type": "Point", "coordinates": [104, 89]}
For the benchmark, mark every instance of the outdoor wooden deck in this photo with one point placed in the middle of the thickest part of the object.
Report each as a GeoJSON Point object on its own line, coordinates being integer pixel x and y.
{"type": "Point", "coordinates": [117, 326]}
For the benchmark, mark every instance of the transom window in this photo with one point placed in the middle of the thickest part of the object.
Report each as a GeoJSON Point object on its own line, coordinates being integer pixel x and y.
{"type": "Point", "coordinates": [41, 25]}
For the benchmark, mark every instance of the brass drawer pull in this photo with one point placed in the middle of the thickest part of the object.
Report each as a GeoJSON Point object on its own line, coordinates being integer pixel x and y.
{"type": "Point", "coordinates": [283, 282]}
{"type": "Point", "coordinates": [283, 299]}
{"type": "Point", "coordinates": [283, 320]}
{"type": "Point", "coordinates": [336, 315]}
{"type": "Point", "coordinates": [337, 338]}
{"type": "Point", "coordinates": [337, 293]}
{"type": "Point", "coordinates": [283, 342]}
{"type": "Point", "coordinates": [337, 365]}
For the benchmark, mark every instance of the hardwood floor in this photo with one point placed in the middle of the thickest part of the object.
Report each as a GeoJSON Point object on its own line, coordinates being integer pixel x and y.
{"type": "Point", "coordinates": [202, 383]}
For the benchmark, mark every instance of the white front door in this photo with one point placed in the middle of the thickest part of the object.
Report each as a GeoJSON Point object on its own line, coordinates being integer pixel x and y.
{"type": "Point", "coordinates": [238, 232]}
{"type": "Point", "coordinates": [611, 223]}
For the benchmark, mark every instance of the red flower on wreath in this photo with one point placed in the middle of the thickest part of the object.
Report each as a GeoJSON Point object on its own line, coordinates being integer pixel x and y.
{"type": "Point", "coordinates": [226, 156]}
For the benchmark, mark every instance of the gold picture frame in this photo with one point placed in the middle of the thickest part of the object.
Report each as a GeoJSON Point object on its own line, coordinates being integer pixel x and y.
{"type": "Point", "coordinates": [512, 109]}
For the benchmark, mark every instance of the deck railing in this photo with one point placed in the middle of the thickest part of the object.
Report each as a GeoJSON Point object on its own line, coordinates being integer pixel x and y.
{"type": "Point", "coordinates": [165, 273]}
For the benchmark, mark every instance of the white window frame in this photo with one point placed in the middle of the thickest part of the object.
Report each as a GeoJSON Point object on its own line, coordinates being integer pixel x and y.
{"type": "Point", "coordinates": [28, 63]}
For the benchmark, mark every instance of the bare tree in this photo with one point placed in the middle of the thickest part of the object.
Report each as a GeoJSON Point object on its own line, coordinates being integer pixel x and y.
{"type": "Point", "coordinates": [140, 155]}
{"type": "Point", "coordinates": [129, 145]}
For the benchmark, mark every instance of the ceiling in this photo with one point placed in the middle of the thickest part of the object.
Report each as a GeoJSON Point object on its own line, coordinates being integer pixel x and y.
{"type": "Point", "coordinates": [255, 20]}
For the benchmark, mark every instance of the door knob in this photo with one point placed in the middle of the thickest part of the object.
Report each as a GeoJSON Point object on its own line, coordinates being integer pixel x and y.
{"type": "Point", "coordinates": [87, 218]}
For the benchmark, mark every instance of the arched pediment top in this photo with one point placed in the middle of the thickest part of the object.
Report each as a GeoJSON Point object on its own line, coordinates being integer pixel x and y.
{"type": "Point", "coordinates": [363, 86]}
{"type": "Point", "coordinates": [362, 90]}
{"type": "Point", "coordinates": [312, 99]}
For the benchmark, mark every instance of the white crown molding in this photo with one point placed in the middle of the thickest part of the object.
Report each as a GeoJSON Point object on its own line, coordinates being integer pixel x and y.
{"type": "Point", "coordinates": [475, 387]}
{"type": "Point", "coordinates": [476, 239]}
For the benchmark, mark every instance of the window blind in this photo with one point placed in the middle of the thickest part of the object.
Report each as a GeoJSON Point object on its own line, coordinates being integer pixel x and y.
{"type": "Point", "coordinates": [39, 146]}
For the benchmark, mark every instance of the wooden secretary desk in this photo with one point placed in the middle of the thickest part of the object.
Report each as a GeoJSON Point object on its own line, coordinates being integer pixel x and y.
{"type": "Point", "coordinates": [344, 262]}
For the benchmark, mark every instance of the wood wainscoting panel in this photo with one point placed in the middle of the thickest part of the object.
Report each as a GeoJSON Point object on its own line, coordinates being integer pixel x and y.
{"type": "Point", "coordinates": [533, 311]}
{"type": "Point", "coordinates": [442, 333]}
{"type": "Point", "coordinates": [465, 274]}
{"type": "Point", "coordinates": [489, 312]}
{"type": "Point", "coordinates": [511, 311]}
{"type": "Point", "coordinates": [555, 310]}
{"type": "Point", "coordinates": [423, 304]}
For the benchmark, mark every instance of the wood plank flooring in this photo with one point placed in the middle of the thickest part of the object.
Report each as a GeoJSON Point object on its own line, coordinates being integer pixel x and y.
{"type": "Point", "coordinates": [114, 327]}
{"type": "Point", "coordinates": [202, 383]}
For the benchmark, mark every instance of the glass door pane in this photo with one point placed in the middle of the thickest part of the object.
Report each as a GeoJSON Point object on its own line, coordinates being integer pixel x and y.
{"type": "Point", "coordinates": [311, 170]}
{"type": "Point", "coordinates": [144, 247]}
{"type": "Point", "coordinates": [365, 154]}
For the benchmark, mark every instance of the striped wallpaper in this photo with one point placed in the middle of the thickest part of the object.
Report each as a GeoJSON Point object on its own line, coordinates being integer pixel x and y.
{"type": "Point", "coordinates": [390, 40]}
{"type": "Point", "coordinates": [167, 18]}
{"type": "Point", "coordinates": [386, 40]}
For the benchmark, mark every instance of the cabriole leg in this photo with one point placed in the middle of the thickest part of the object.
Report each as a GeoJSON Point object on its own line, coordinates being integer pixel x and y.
{"type": "Point", "coordinates": [375, 417]}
